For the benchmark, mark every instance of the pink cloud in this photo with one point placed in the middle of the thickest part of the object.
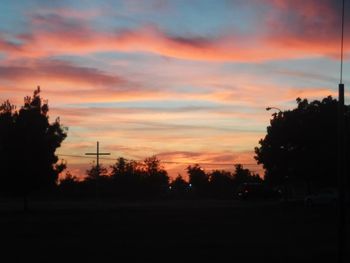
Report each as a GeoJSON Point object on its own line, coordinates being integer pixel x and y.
{"type": "Point", "coordinates": [308, 26]}
{"type": "Point", "coordinates": [57, 70]}
{"type": "Point", "coordinates": [304, 34]}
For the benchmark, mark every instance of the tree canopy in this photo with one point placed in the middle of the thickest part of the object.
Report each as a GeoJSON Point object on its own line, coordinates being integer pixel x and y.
{"type": "Point", "coordinates": [301, 144]}
{"type": "Point", "coordinates": [28, 142]}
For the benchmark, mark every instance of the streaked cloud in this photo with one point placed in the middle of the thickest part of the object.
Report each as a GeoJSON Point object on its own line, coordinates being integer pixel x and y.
{"type": "Point", "coordinates": [299, 34]}
{"type": "Point", "coordinates": [188, 81]}
{"type": "Point", "coordinates": [54, 70]}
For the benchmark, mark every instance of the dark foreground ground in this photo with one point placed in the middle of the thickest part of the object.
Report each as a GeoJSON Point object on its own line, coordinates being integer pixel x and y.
{"type": "Point", "coordinates": [169, 231]}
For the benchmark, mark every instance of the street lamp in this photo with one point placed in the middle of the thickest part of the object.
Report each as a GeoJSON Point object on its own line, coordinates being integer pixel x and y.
{"type": "Point", "coordinates": [273, 108]}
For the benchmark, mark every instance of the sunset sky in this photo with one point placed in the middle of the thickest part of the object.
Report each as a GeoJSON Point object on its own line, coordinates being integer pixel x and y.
{"type": "Point", "coordinates": [186, 80]}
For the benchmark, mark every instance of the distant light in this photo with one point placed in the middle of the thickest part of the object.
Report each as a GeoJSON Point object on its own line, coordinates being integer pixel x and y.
{"type": "Point", "coordinates": [190, 185]}
{"type": "Point", "coordinates": [170, 187]}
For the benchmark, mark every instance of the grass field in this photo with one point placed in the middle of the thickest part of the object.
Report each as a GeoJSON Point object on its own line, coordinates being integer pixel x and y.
{"type": "Point", "coordinates": [168, 231]}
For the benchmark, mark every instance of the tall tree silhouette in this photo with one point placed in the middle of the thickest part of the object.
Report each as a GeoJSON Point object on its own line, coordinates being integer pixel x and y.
{"type": "Point", "coordinates": [301, 145]}
{"type": "Point", "coordinates": [126, 178]}
{"type": "Point", "coordinates": [221, 183]}
{"type": "Point", "coordinates": [28, 142]}
{"type": "Point", "coordinates": [156, 178]}
{"type": "Point", "coordinates": [198, 179]}
{"type": "Point", "coordinates": [179, 186]}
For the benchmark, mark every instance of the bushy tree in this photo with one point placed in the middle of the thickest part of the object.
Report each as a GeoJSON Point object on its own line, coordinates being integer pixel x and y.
{"type": "Point", "coordinates": [155, 177]}
{"type": "Point", "coordinates": [126, 178]}
{"type": "Point", "coordinates": [135, 179]}
{"type": "Point", "coordinates": [243, 175]}
{"type": "Point", "coordinates": [301, 144]}
{"type": "Point", "coordinates": [179, 184]}
{"type": "Point", "coordinates": [198, 179]}
{"type": "Point", "coordinates": [69, 179]}
{"type": "Point", "coordinates": [221, 183]}
{"type": "Point", "coordinates": [70, 186]}
{"type": "Point", "coordinates": [96, 172]}
{"type": "Point", "coordinates": [28, 142]}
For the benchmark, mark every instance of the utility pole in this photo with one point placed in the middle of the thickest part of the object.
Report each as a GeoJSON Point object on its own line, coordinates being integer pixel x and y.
{"type": "Point", "coordinates": [97, 154]}
{"type": "Point", "coordinates": [341, 157]}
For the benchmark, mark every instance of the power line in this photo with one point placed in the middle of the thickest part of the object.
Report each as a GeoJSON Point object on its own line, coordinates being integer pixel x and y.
{"type": "Point", "coordinates": [167, 162]}
{"type": "Point", "coordinates": [342, 43]}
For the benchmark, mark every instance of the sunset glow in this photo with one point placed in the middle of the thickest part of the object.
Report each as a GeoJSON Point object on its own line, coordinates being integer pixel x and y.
{"type": "Point", "coordinates": [186, 82]}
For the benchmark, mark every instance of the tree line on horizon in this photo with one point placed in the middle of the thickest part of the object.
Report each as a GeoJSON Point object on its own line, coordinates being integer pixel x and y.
{"type": "Point", "coordinates": [131, 179]}
{"type": "Point", "coordinates": [299, 148]}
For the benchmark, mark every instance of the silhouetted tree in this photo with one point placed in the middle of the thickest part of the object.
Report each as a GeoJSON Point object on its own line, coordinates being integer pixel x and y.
{"type": "Point", "coordinates": [97, 182]}
{"type": "Point", "coordinates": [301, 145]}
{"type": "Point", "coordinates": [126, 178]}
{"type": "Point", "coordinates": [221, 184]}
{"type": "Point", "coordinates": [198, 179]}
{"type": "Point", "coordinates": [119, 168]}
{"type": "Point", "coordinates": [69, 179]}
{"type": "Point", "coordinates": [179, 183]}
{"type": "Point", "coordinates": [70, 186]}
{"type": "Point", "coordinates": [179, 187]}
{"type": "Point", "coordinates": [96, 172]}
{"type": "Point", "coordinates": [28, 142]}
{"type": "Point", "coordinates": [155, 177]}
{"type": "Point", "coordinates": [243, 175]}
{"type": "Point", "coordinates": [133, 179]}
{"type": "Point", "coordinates": [9, 180]}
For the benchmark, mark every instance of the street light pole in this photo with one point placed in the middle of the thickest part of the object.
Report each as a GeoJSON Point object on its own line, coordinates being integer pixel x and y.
{"type": "Point", "coordinates": [341, 157]}
{"type": "Point", "coordinates": [341, 178]}
{"type": "Point", "coordinates": [286, 194]}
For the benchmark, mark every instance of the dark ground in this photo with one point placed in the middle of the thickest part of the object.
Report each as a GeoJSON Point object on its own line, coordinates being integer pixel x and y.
{"type": "Point", "coordinates": [168, 231]}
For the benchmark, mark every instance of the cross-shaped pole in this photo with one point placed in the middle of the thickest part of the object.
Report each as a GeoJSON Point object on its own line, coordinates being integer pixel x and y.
{"type": "Point", "coordinates": [97, 154]}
